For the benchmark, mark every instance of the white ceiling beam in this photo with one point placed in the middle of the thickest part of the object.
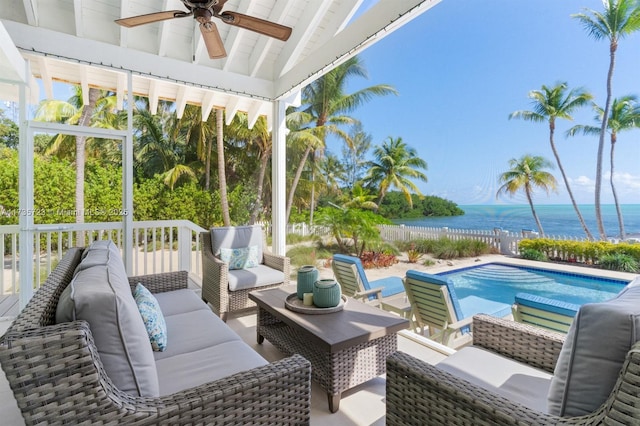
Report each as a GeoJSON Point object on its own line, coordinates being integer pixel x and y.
{"type": "Point", "coordinates": [253, 113]}
{"type": "Point", "coordinates": [163, 33]}
{"type": "Point", "coordinates": [42, 41]}
{"type": "Point", "coordinates": [121, 84]}
{"type": "Point", "coordinates": [153, 97]}
{"type": "Point", "coordinates": [300, 36]}
{"type": "Point", "coordinates": [45, 76]}
{"type": "Point", "coordinates": [31, 11]}
{"type": "Point", "coordinates": [84, 84]}
{"type": "Point", "coordinates": [207, 105]}
{"type": "Point", "coordinates": [234, 36]}
{"type": "Point", "coordinates": [231, 109]}
{"type": "Point", "coordinates": [259, 53]}
{"type": "Point", "coordinates": [124, 31]}
{"type": "Point", "coordinates": [13, 67]}
{"type": "Point", "coordinates": [181, 100]}
{"type": "Point", "coordinates": [198, 44]}
{"type": "Point", "coordinates": [378, 22]}
{"type": "Point", "coordinates": [77, 15]}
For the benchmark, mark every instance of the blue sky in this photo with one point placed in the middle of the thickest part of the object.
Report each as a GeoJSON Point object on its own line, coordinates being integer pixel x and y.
{"type": "Point", "coordinates": [463, 66]}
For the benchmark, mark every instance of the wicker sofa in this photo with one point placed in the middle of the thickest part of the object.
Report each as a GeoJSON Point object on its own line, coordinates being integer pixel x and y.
{"type": "Point", "coordinates": [57, 376]}
{"type": "Point", "coordinates": [420, 393]}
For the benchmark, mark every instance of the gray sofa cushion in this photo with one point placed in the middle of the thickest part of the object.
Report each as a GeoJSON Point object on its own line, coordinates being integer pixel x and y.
{"type": "Point", "coordinates": [515, 381]}
{"type": "Point", "coordinates": [593, 353]}
{"type": "Point", "coordinates": [237, 237]}
{"type": "Point", "coordinates": [190, 369]}
{"type": "Point", "coordinates": [101, 295]}
{"type": "Point", "coordinates": [193, 331]}
{"type": "Point", "coordinates": [261, 275]}
{"type": "Point", "coordinates": [179, 302]}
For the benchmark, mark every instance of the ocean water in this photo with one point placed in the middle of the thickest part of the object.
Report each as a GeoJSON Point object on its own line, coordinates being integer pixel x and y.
{"type": "Point", "coordinates": [557, 220]}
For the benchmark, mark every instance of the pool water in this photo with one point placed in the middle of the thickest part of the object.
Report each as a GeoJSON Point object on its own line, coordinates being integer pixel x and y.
{"type": "Point", "coordinates": [499, 282]}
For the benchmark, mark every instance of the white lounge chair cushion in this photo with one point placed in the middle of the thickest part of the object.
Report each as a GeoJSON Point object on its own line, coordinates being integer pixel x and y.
{"type": "Point", "coordinates": [515, 381]}
{"type": "Point", "coordinates": [593, 353]}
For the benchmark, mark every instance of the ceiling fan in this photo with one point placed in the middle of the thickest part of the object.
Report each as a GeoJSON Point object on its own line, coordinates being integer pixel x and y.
{"type": "Point", "coordinates": [202, 11]}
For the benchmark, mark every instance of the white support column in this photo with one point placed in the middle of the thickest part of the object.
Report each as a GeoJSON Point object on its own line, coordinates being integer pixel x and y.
{"type": "Point", "coordinates": [279, 178]}
{"type": "Point", "coordinates": [25, 197]}
{"type": "Point", "coordinates": [127, 182]}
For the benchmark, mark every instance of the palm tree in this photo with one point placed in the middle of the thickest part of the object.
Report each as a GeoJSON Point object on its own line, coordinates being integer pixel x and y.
{"type": "Point", "coordinates": [619, 19]}
{"type": "Point", "coordinates": [327, 105]}
{"type": "Point", "coordinates": [355, 153]}
{"type": "Point", "coordinates": [360, 198]}
{"type": "Point", "coordinates": [222, 174]}
{"type": "Point", "coordinates": [625, 115]}
{"type": "Point", "coordinates": [394, 165]}
{"type": "Point", "coordinates": [528, 173]}
{"type": "Point", "coordinates": [550, 104]}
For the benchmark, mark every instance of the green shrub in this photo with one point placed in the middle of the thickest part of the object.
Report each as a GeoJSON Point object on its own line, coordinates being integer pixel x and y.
{"type": "Point", "coordinates": [619, 262]}
{"type": "Point", "coordinates": [531, 254]}
{"type": "Point", "coordinates": [306, 255]}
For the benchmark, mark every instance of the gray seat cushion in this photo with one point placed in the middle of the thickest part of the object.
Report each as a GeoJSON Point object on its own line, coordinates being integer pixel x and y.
{"type": "Point", "coordinates": [179, 302]}
{"type": "Point", "coordinates": [191, 369]}
{"type": "Point", "coordinates": [193, 331]}
{"type": "Point", "coordinates": [101, 295]}
{"type": "Point", "coordinates": [495, 373]}
{"type": "Point", "coordinates": [261, 275]}
{"type": "Point", "coordinates": [593, 353]}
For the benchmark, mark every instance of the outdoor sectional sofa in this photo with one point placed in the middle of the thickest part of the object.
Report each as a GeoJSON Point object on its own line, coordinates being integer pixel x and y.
{"type": "Point", "coordinates": [100, 369]}
{"type": "Point", "coordinates": [519, 374]}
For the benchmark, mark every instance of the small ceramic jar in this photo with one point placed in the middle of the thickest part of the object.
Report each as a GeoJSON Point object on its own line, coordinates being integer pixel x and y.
{"type": "Point", "coordinates": [326, 293]}
{"type": "Point", "coordinates": [307, 275]}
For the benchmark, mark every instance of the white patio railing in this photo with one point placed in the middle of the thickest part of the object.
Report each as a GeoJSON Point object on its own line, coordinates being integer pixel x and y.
{"type": "Point", "coordinates": [158, 246]}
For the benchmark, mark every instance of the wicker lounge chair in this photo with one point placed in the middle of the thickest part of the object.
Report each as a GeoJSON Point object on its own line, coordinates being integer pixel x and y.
{"type": "Point", "coordinates": [519, 374]}
{"type": "Point", "coordinates": [551, 314]}
{"type": "Point", "coordinates": [438, 311]}
{"type": "Point", "coordinates": [218, 280]}
{"type": "Point", "coordinates": [349, 272]}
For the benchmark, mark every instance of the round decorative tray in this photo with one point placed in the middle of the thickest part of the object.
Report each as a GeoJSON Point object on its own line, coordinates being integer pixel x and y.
{"type": "Point", "coordinates": [293, 303]}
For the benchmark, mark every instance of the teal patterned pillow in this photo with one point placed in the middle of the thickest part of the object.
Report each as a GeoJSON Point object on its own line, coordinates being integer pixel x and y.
{"type": "Point", "coordinates": [240, 258]}
{"type": "Point", "coordinates": [152, 317]}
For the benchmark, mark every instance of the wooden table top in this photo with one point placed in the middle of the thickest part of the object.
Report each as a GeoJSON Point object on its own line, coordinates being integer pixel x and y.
{"type": "Point", "coordinates": [356, 323]}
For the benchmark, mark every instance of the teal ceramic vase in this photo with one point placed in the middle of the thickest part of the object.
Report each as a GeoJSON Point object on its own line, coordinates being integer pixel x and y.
{"type": "Point", "coordinates": [326, 293]}
{"type": "Point", "coordinates": [307, 275]}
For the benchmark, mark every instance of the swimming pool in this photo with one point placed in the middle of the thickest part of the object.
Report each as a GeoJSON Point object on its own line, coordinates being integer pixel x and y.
{"type": "Point", "coordinates": [501, 282]}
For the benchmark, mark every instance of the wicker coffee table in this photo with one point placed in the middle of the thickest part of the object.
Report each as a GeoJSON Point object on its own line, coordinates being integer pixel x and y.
{"type": "Point", "coordinates": [345, 348]}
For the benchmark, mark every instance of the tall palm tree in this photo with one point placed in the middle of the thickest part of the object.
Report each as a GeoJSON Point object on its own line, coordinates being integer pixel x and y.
{"type": "Point", "coordinates": [394, 165]}
{"type": "Point", "coordinates": [222, 174]}
{"type": "Point", "coordinates": [550, 104]}
{"type": "Point", "coordinates": [619, 19]}
{"type": "Point", "coordinates": [354, 155]}
{"type": "Point", "coordinates": [327, 104]}
{"type": "Point", "coordinates": [527, 173]}
{"type": "Point", "coordinates": [625, 115]}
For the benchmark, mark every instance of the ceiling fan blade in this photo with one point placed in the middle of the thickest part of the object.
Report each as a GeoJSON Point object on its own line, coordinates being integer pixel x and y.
{"type": "Point", "coordinates": [212, 40]}
{"type": "Point", "coordinates": [258, 25]}
{"type": "Point", "coordinates": [134, 21]}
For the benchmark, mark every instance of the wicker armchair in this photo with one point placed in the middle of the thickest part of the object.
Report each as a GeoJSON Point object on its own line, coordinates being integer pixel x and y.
{"type": "Point", "coordinates": [420, 393]}
{"type": "Point", "coordinates": [215, 276]}
{"type": "Point", "coordinates": [57, 377]}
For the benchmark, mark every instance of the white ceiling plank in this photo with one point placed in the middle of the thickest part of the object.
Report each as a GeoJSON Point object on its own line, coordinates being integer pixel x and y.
{"type": "Point", "coordinates": [163, 33]}
{"type": "Point", "coordinates": [39, 40]}
{"type": "Point", "coordinates": [378, 22]}
{"type": "Point", "coordinates": [45, 76]}
{"type": "Point", "coordinates": [153, 97]}
{"type": "Point", "coordinates": [31, 11]}
{"type": "Point", "coordinates": [13, 67]}
{"type": "Point", "coordinates": [300, 36]}
{"type": "Point", "coordinates": [207, 105]}
{"type": "Point", "coordinates": [121, 86]}
{"type": "Point", "coordinates": [124, 31]}
{"type": "Point", "coordinates": [234, 37]}
{"type": "Point", "coordinates": [181, 100]}
{"type": "Point", "coordinates": [77, 15]}
{"type": "Point", "coordinates": [198, 45]}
